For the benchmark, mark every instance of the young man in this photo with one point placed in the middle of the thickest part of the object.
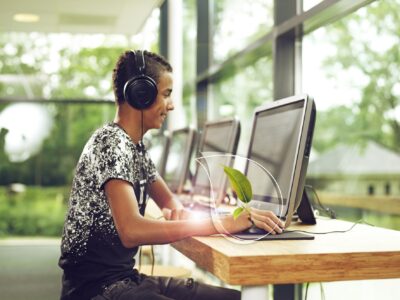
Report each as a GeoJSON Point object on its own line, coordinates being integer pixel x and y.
{"type": "Point", "coordinates": [105, 223]}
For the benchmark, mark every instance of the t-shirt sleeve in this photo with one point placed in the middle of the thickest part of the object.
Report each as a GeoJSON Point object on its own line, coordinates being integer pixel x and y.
{"type": "Point", "coordinates": [116, 161]}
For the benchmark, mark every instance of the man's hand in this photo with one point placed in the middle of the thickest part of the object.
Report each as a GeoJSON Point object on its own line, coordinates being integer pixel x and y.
{"type": "Point", "coordinates": [176, 214]}
{"type": "Point", "coordinates": [266, 220]}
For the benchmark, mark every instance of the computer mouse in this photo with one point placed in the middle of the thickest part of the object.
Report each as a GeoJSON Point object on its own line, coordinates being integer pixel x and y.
{"type": "Point", "coordinates": [255, 230]}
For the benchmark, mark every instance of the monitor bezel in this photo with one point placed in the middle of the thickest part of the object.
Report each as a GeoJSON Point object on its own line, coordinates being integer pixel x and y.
{"type": "Point", "coordinates": [231, 149]}
{"type": "Point", "coordinates": [177, 186]}
{"type": "Point", "coordinates": [305, 138]}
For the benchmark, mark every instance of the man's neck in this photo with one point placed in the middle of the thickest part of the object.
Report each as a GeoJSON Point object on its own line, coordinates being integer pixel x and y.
{"type": "Point", "coordinates": [130, 121]}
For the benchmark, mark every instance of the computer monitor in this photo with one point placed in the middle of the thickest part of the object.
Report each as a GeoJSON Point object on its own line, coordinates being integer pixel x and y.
{"type": "Point", "coordinates": [218, 138]}
{"type": "Point", "coordinates": [178, 158]}
{"type": "Point", "coordinates": [158, 146]}
{"type": "Point", "coordinates": [280, 142]}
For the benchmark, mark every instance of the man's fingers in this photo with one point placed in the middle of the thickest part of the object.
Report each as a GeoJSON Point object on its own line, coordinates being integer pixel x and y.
{"type": "Point", "coordinates": [266, 220]}
{"type": "Point", "coordinates": [268, 214]}
{"type": "Point", "coordinates": [166, 213]}
{"type": "Point", "coordinates": [265, 226]}
{"type": "Point", "coordinates": [174, 214]}
{"type": "Point", "coordinates": [184, 214]}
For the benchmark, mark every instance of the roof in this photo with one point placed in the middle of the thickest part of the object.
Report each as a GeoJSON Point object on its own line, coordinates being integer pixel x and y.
{"type": "Point", "coordinates": [356, 160]}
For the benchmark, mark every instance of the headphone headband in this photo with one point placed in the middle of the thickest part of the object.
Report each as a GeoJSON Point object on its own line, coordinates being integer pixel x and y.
{"type": "Point", "coordinates": [139, 61]}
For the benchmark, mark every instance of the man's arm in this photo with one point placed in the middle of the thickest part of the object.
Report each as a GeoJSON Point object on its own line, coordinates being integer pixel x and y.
{"type": "Point", "coordinates": [163, 196]}
{"type": "Point", "coordinates": [134, 230]}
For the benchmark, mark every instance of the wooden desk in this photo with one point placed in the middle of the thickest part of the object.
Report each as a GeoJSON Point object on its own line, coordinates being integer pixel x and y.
{"type": "Point", "coordinates": [365, 252]}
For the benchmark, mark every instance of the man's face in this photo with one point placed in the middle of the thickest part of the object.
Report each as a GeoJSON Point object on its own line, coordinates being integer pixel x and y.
{"type": "Point", "coordinates": [155, 115]}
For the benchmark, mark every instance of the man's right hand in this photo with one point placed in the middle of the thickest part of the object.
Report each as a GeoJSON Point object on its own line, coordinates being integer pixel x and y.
{"type": "Point", "coordinates": [176, 214]}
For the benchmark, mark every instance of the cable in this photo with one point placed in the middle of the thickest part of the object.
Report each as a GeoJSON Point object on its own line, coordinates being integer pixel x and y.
{"type": "Point", "coordinates": [140, 258]}
{"type": "Point", "coordinates": [329, 211]}
{"type": "Point", "coordinates": [152, 260]}
{"type": "Point", "coordinates": [307, 284]}
{"type": "Point", "coordinates": [334, 231]}
{"type": "Point", "coordinates": [143, 174]}
{"type": "Point", "coordinates": [321, 288]}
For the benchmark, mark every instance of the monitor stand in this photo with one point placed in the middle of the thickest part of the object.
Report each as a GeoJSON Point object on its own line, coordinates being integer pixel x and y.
{"type": "Point", "coordinates": [305, 210]}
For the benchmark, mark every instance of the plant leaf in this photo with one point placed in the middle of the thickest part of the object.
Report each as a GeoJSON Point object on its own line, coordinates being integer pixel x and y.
{"type": "Point", "coordinates": [240, 184]}
{"type": "Point", "coordinates": [237, 212]}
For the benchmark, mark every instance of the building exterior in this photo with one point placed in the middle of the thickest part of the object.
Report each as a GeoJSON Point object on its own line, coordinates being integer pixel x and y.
{"type": "Point", "coordinates": [355, 170]}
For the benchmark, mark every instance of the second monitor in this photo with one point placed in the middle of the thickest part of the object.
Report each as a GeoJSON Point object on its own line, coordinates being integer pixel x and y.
{"type": "Point", "coordinates": [180, 151]}
{"type": "Point", "coordinates": [219, 141]}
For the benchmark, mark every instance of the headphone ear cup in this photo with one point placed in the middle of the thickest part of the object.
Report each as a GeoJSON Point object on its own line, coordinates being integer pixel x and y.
{"type": "Point", "coordinates": [140, 91]}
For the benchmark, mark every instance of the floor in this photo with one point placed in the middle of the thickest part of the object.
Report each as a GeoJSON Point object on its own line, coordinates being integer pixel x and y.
{"type": "Point", "coordinates": [28, 269]}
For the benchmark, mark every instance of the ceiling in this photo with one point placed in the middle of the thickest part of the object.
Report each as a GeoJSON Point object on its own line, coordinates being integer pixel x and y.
{"type": "Point", "coordinates": [78, 16]}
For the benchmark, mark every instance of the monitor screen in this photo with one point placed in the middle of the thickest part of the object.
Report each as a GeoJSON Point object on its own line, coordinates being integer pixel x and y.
{"type": "Point", "coordinates": [277, 134]}
{"type": "Point", "coordinates": [177, 161]}
{"type": "Point", "coordinates": [218, 138]}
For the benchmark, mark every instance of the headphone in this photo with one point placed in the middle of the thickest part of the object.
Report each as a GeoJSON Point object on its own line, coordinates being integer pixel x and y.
{"type": "Point", "coordinates": [141, 90]}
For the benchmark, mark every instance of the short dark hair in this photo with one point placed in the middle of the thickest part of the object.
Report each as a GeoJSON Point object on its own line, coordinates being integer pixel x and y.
{"type": "Point", "coordinates": [125, 69]}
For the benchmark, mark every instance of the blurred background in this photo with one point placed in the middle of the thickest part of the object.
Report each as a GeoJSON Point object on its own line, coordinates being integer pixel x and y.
{"type": "Point", "coordinates": [229, 56]}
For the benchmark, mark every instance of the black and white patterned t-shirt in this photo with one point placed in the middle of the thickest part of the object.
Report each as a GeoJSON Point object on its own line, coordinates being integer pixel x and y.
{"type": "Point", "coordinates": [91, 252]}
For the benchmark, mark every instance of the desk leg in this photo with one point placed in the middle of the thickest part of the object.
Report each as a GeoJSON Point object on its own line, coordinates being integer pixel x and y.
{"type": "Point", "coordinates": [288, 291]}
{"type": "Point", "coordinates": [255, 292]}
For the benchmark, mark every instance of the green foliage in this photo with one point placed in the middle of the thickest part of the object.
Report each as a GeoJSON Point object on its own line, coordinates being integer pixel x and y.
{"type": "Point", "coordinates": [42, 68]}
{"type": "Point", "coordinates": [80, 73]}
{"type": "Point", "coordinates": [241, 186]}
{"type": "Point", "coordinates": [237, 212]}
{"type": "Point", "coordinates": [37, 211]}
{"type": "Point", "coordinates": [341, 125]}
{"type": "Point", "coordinates": [372, 116]}
{"type": "Point", "coordinates": [55, 163]}
{"type": "Point", "coordinates": [88, 68]}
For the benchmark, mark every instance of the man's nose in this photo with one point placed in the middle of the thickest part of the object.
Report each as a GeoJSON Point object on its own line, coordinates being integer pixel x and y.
{"type": "Point", "coordinates": [170, 105]}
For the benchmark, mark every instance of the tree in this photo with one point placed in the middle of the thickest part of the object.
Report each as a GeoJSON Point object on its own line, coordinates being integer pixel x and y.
{"type": "Point", "coordinates": [368, 41]}
{"type": "Point", "coordinates": [80, 73]}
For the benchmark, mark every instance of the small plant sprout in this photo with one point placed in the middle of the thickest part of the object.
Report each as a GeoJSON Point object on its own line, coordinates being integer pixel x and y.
{"type": "Point", "coordinates": [242, 187]}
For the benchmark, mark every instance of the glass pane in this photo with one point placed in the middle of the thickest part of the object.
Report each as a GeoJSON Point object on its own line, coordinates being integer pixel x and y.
{"type": "Point", "coordinates": [62, 65]}
{"type": "Point", "coordinates": [352, 68]}
{"type": "Point", "coordinates": [239, 94]}
{"type": "Point", "coordinates": [189, 59]}
{"type": "Point", "coordinates": [308, 4]}
{"type": "Point", "coordinates": [237, 23]}
{"type": "Point", "coordinates": [40, 145]}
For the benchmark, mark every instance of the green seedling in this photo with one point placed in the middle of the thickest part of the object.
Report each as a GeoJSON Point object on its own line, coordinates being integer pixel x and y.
{"type": "Point", "coordinates": [242, 187]}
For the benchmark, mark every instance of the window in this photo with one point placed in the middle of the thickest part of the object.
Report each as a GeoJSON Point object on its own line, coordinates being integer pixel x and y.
{"type": "Point", "coordinates": [189, 58]}
{"type": "Point", "coordinates": [308, 4]}
{"type": "Point", "coordinates": [387, 189]}
{"type": "Point", "coordinates": [237, 23]}
{"type": "Point", "coordinates": [371, 190]}
{"type": "Point", "coordinates": [351, 67]}
{"type": "Point", "coordinates": [239, 94]}
{"type": "Point", "coordinates": [40, 145]}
